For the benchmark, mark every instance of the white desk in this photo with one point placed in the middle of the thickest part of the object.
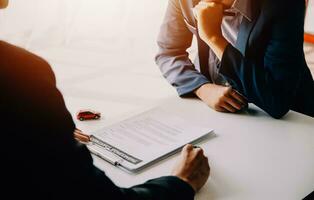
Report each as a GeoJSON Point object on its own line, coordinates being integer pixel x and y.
{"type": "Point", "coordinates": [252, 157]}
{"type": "Point", "coordinates": [112, 70]}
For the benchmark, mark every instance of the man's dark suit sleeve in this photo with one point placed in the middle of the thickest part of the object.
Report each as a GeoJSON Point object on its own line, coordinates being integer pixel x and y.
{"type": "Point", "coordinates": [271, 81]}
{"type": "Point", "coordinates": [57, 165]}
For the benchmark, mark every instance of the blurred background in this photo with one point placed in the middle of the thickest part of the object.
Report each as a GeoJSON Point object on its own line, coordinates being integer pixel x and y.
{"type": "Point", "coordinates": [77, 23]}
{"type": "Point", "coordinates": [309, 19]}
{"type": "Point", "coordinates": [100, 50]}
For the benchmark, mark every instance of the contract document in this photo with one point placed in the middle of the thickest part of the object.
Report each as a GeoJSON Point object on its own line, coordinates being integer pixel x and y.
{"type": "Point", "coordinates": [141, 140]}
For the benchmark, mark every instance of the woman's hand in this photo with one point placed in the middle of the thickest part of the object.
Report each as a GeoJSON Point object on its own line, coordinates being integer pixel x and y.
{"type": "Point", "coordinates": [221, 98]}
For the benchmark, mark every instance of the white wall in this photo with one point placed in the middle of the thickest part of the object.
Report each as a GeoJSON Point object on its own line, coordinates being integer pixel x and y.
{"type": "Point", "coordinates": [106, 24]}
{"type": "Point", "coordinates": [309, 20]}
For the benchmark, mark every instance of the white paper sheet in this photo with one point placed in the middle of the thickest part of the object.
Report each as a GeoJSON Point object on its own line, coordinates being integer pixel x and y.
{"type": "Point", "coordinates": [139, 140]}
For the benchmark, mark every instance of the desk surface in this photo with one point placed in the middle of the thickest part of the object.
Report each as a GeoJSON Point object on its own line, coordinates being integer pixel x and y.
{"type": "Point", "coordinates": [252, 156]}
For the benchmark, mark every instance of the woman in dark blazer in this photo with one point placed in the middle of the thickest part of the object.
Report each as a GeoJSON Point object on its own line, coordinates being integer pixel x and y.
{"type": "Point", "coordinates": [255, 56]}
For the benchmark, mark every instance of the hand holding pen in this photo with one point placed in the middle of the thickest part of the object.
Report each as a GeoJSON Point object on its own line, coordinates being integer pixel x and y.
{"type": "Point", "coordinates": [80, 136]}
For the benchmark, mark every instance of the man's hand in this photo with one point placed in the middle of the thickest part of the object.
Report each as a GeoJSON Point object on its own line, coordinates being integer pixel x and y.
{"type": "Point", "coordinates": [221, 98]}
{"type": "Point", "coordinates": [192, 167]}
{"type": "Point", "coordinates": [209, 15]}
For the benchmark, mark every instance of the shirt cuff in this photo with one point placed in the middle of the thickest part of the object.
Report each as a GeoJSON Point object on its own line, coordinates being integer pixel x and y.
{"type": "Point", "coordinates": [187, 90]}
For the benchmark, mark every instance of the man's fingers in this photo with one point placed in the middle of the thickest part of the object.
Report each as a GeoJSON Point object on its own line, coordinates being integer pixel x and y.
{"type": "Point", "coordinates": [197, 9]}
{"type": "Point", "coordinates": [205, 164]}
{"type": "Point", "coordinates": [199, 152]}
{"type": "Point", "coordinates": [221, 109]}
{"type": "Point", "coordinates": [214, 1]}
{"type": "Point", "coordinates": [201, 5]}
{"type": "Point", "coordinates": [198, 157]}
{"type": "Point", "coordinates": [187, 148]}
{"type": "Point", "coordinates": [212, 4]}
{"type": "Point", "coordinates": [207, 3]}
{"type": "Point", "coordinates": [235, 94]}
{"type": "Point", "coordinates": [196, 153]}
{"type": "Point", "coordinates": [233, 102]}
{"type": "Point", "coordinates": [228, 107]}
{"type": "Point", "coordinates": [204, 4]}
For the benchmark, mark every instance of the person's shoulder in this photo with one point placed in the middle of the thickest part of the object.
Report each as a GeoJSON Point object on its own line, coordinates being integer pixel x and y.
{"type": "Point", "coordinates": [283, 2]}
{"type": "Point", "coordinates": [13, 51]}
{"type": "Point", "coordinates": [282, 5]}
{"type": "Point", "coordinates": [17, 62]}
{"type": "Point", "coordinates": [284, 8]}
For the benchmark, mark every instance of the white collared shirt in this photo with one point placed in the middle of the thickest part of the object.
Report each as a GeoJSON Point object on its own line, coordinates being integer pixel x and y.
{"type": "Point", "coordinates": [230, 30]}
{"type": "Point", "coordinates": [231, 24]}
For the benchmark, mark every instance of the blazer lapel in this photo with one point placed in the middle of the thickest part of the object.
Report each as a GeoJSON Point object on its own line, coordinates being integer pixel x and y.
{"type": "Point", "coordinates": [243, 36]}
{"type": "Point", "coordinates": [246, 28]}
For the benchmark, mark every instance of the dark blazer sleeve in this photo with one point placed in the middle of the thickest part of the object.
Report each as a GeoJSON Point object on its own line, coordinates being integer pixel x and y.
{"type": "Point", "coordinates": [271, 82]}
{"type": "Point", "coordinates": [173, 59]}
{"type": "Point", "coordinates": [46, 161]}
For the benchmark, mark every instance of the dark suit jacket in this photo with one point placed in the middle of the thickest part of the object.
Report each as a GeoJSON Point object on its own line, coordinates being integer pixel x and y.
{"type": "Point", "coordinates": [39, 156]}
{"type": "Point", "coordinates": [267, 64]}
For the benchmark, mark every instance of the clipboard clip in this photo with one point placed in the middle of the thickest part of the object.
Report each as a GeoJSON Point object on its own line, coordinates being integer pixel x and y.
{"type": "Point", "coordinates": [95, 149]}
{"type": "Point", "coordinates": [110, 159]}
